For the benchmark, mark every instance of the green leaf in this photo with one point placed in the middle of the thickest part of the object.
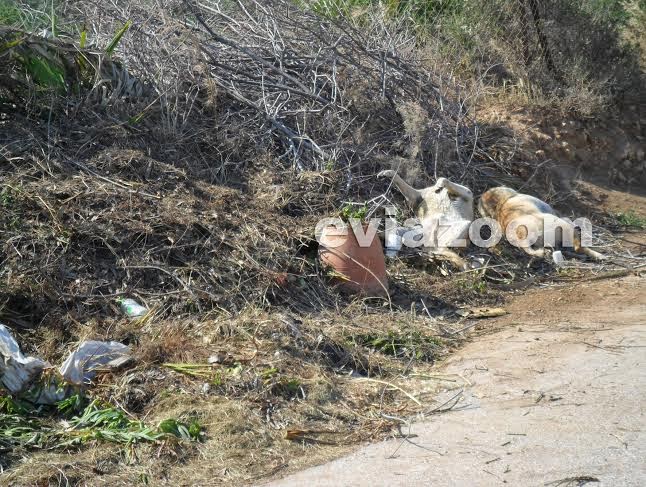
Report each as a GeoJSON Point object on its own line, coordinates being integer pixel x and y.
{"type": "Point", "coordinates": [8, 45]}
{"type": "Point", "coordinates": [117, 37]}
{"type": "Point", "coordinates": [53, 17]}
{"type": "Point", "coordinates": [46, 73]}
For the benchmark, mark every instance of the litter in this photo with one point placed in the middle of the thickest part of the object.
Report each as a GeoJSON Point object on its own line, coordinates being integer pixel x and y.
{"type": "Point", "coordinates": [20, 374]}
{"type": "Point", "coordinates": [393, 242]}
{"type": "Point", "coordinates": [16, 370]}
{"type": "Point", "coordinates": [355, 268]}
{"type": "Point", "coordinates": [218, 358]}
{"type": "Point", "coordinates": [557, 257]}
{"type": "Point", "coordinates": [481, 312]}
{"type": "Point", "coordinates": [131, 308]}
{"type": "Point", "coordinates": [81, 365]}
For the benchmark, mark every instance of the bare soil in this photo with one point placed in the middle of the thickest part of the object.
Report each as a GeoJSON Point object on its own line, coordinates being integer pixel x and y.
{"type": "Point", "coordinates": [551, 394]}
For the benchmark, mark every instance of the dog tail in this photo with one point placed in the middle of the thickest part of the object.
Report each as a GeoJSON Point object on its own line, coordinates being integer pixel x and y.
{"type": "Point", "coordinates": [586, 250]}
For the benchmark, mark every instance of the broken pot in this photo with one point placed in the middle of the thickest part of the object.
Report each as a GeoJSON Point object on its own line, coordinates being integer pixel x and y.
{"type": "Point", "coordinates": [357, 264]}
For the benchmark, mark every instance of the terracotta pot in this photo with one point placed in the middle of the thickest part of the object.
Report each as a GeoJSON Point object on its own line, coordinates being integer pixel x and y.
{"type": "Point", "coordinates": [361, 269]}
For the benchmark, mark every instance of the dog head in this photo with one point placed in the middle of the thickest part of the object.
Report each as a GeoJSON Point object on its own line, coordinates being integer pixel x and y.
{"type": "Point", "coordinates": [492, 201]}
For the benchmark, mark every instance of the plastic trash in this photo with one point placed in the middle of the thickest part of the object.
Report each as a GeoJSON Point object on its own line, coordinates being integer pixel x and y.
{"type": "Point", "coordinates": [131, 308]}
{"type": "Point", "coordinates": [81, 365]}
{"type": "Point", "coordinates": [557, 257]}
{"type": "Point", "coordinates": [16, 370]}
{"type": "Point", "coordinates": [20, 374]}
{"type": "Point", "coordinates": [393, 242]}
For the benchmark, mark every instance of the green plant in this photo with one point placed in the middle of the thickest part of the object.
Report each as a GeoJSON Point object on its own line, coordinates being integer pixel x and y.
{"type": "Point", "coordinates": [9, 405]}
{"type": "Point", "coordinates": [117, 37]}
{"type": "Point", "coordinates": [71, 405]}
{"type": "Point", "coordinates": [10, 215]}
{"type": "Point", "coordinates": [268, 373]}
{"type": "Point", "coordinates": [32, 15]}
{"type": "Point", "coordinates": [26, 426]}
{"type": "Point", "coordinates": [475, 284]}
{"type": "Point", "coordinates": [631, 219]}
{"type": "Point", "coordinates": [401, 344]}
{"type": "Point", "coordinates": [191, 431]}
{"type": "Point", "coordinates": [10, 14]}
{"type": "Point", "coordinates": [354, 210]}
{"type": "Point", "coordinates": [7, 197]}
{"type": "Point", "coordinates": [50, 66]}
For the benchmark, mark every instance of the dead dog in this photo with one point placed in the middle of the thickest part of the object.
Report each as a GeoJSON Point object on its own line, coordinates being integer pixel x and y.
{"type": "Point", "coordinates": [526, 213]}
{"type": "Point", "coordinates": [444, 211]}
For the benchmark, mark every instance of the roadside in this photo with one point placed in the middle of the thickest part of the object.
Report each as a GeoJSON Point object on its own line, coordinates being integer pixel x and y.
{"type": "Point", "coordinates": [553, 396]}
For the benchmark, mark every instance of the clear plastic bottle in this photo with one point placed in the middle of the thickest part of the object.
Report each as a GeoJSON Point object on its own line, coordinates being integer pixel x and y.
{"type": "Point", "coordinates": [131, 308]}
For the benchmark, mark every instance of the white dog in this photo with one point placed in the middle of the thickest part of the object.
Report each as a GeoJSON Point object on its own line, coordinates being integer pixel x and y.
{"type": "Point", "coordinates": [444, 210]}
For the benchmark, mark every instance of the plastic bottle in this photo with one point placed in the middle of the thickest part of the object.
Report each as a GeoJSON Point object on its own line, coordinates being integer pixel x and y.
{"type": "Point", "coordinates": [131, 308]}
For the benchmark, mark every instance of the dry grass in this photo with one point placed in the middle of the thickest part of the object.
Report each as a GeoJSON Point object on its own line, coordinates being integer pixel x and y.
{"type": "Point", "coordinates": [198, 197]}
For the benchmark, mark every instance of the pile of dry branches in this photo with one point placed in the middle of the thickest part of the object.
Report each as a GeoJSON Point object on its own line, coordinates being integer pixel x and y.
{"type": "Point", "coordinates": [111, 195]}
{"type": "Point", "coordinates": [329, 94]}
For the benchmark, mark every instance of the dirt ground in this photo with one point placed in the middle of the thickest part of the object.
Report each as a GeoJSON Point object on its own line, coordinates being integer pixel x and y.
{"type": "Point", "coordinates": [551, 394]}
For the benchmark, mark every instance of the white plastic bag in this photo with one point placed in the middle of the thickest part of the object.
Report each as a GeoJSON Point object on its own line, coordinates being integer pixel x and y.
{"type": "Point", "coordinates": [81, 365]}
{"type": "Point", "coordinates": [16, 370]}
{"type": "Point", "coordinates": [20, 374]}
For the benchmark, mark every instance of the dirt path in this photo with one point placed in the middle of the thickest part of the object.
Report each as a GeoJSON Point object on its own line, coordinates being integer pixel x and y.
{"type": "Point", "coordinates": [556, 397]}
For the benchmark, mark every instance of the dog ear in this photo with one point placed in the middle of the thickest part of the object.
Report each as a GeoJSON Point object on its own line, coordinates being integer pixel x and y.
{"type": "Point", "coordinates": [488, 204]}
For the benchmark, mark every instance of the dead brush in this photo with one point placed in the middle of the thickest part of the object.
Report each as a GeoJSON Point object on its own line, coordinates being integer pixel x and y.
{"type": "Point", "coordinates": [200, 199]}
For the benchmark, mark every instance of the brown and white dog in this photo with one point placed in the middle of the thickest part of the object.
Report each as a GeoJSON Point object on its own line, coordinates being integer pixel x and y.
{"type": "Point", "coordinates": [446, 203]}
{"type": "Point", "coordinates": [523, 212]}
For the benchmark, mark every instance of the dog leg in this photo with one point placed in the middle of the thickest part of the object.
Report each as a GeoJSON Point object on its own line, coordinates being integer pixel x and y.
{"type": "Point", "coordinates": [586, 250]}
{"type": "Point", "coordinates": [534, 252]}
{"type": "Point", "coordinates": [450, 256]}
{"type": "Point", "coordinates": [580, 252]}
{"type": "Point", "coordinates": [455, 189]}
{"type": "Point", "coordinates": [412, 195]}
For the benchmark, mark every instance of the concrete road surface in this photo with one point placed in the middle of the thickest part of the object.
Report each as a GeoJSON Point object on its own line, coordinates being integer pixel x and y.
{"type": "Point", "coordinates": [556, 397]}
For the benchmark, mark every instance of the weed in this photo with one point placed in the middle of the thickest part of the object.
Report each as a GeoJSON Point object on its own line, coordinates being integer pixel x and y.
{"type": "Point", "coordinates": [286, 387]}
{"type": "Point", "coordinates": [7, 197]}
{"type": "Point", "coordinates": [354, 210]}
{"type": "Point", "coordinates": [10, 211]}
{"type": "Point", "coordinates": [10, 14]}
{"type": "Point", "coordinates": [401, 344]}
{"type": "Point", "coordinates": [631, 219]}
{"type": "Point", "coordinates": [22, 426]}
{"type": "Point", "coordinates": [269, 373]}
{"type": "Point", "coordinates": [477, 285]}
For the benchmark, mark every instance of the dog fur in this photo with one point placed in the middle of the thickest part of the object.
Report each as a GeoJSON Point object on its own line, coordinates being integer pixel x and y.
{"type": "Point", "coordinates": [444, 201]}
{"type": "Point", "coordinates": [506, 205]}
